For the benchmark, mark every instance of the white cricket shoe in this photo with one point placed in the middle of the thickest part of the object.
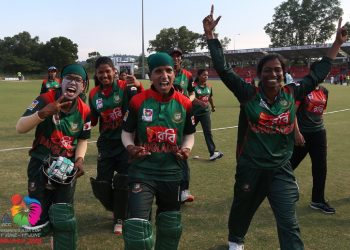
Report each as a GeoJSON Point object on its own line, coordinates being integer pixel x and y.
{"type": "Point", "coordinates": [235, 246]}
{"type": "Point", "coordinates": [216, 155]}
{"type": "Point", "coordinates": [186, 196]}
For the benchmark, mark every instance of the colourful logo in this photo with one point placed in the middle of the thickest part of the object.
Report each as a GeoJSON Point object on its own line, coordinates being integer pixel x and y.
{"type": "Point", "coordinates": [25, 211]}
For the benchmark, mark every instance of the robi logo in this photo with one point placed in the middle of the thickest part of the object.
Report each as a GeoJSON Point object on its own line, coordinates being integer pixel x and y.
{"type": "Point", "coordinates": [270, 120]}
{"type": "Point", "coordinates": [161, 134]}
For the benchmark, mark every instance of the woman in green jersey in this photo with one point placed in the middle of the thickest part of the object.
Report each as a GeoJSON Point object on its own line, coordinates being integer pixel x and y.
{"type": "Point", "coordinates": [263, 166]}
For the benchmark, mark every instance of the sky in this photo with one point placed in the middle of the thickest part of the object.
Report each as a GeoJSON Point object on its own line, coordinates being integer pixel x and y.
{"type": "Point", "coordinates": [115, 26]}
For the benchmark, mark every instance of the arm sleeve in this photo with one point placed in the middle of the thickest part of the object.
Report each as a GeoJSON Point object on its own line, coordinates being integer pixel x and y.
{"type": "Point", "coordinates": [127, 138]}
{"type": "Point", "coordinates": [318, 72]}
{"type": "Point", "coordinates": [27, 123]}
{"type": "Point", "coordinates": [242, 90]}
{"type": "Point", "coordinates": [81, 149]}
{"type": "Point", "coordinates": [189, 123]}
{"type": "Point", "coordinates": [188, 141]}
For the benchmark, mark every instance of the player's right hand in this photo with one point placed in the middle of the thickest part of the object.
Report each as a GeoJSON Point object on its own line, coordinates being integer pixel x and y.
{"type": "Point", "coordinates": [136, 152]}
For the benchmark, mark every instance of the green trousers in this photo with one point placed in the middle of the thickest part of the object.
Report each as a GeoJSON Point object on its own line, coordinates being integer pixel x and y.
{"type": "Point", "coordinates": [280, 187]}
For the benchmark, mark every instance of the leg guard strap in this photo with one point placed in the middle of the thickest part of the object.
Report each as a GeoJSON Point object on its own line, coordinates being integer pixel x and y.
{"type": "Point", "coordinates": [138, 234]}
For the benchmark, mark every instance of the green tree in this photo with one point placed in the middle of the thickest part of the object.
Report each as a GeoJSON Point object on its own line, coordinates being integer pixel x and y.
{"type": "Point", "coordinates": [59, 51]}
{"type": "Point", "coordinates": [182, 38]}
{"type": "Point", "coordinates": [90, 62]}
{"type": "Point", "coordinates": [303, 22]}
{"type": "Point", "coordinates": [169, 38]}
{"type": "Point", "coordinates": [202, 43]}
{"type": "Point", "coordinates": [18, 53]}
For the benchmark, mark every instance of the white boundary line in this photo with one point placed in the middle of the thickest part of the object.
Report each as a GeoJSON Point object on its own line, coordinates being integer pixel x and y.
{"type": "Point", "coordinates": [199, 131]}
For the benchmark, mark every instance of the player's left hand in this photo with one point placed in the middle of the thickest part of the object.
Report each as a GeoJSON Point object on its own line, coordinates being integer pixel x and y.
{"type": "Point", "coordinates": [132, 81]}
{"type": "Point", "coordinates": [342, 34]}
{"type": "Point", "coordinates": [209, 24]}
{"type": "Point", "coordinates": [183, 153]}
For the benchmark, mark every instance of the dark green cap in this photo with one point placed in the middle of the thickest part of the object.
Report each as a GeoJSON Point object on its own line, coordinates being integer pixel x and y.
{"type": "Point", "coordinates": [159, 59]}
{"type": "Point", "coordinates": [76, 69]}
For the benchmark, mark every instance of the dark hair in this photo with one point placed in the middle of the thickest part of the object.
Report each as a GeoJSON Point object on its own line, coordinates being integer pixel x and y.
{"type": "Point", "coordinates": [199, 72]}
{"type": "Point", "coordinates": [270, 57]}
{"type": "Point", "coordinates": [102, 60]}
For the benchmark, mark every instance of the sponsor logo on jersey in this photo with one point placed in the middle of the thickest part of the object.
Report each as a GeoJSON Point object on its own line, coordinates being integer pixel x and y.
{"type": "Point", "coordinates": [270, 124]}
{"type": "Point", "coordinates": [284, 103]}
{"type": "Point", "coordinates": [316, 103]}
{"type": "Point", "coordinates": [33, 105]}
{"type": "Point", "coordinates": [111, 118]}
{"type": "Point", "coordinates": [117, 99]}
{"type": "Point", "coordinates": [161, 134]}
{"type": "Point", "coordinates": [271, 120]}
{"type": "Point", "coordinates": [177, 118]}
{"type": "Point", "coordinates": [147, 115]}
{"type": "Point", "coordinates": [199, 91]}
{"type": "Point", "coordinates": [318, 109]}
{"type": "Point", "coordinates": [74, 127]}
{"type": "Point", "coordinates": [99, 103]}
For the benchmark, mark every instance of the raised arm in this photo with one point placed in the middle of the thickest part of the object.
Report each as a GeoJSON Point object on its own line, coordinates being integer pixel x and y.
{"type": "Point", "coordinates": [233, 82]}
{"type": "Point", "coordinates": [340, 38]}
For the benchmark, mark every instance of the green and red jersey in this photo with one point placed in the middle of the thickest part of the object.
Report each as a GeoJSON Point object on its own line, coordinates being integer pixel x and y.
{"type": "Point", "coordinates": [108, 105]}
{"type": "Point", "coordinates": [202, 93]}
{"type": "Point", "coordinates": [311, 108]}
{"type": "Point", "coordinates": [267, 133]}
{"type": "Point", "coordinates": [48, 85]}
{"type": "Point", "coordinates": [58, 135]}
{"type": "Point", "coordinates": [160, 124]}
{"type": "Point", "coordinates": [183, 82]}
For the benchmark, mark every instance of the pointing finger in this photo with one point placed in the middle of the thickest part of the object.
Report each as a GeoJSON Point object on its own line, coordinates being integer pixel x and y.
{"type": "Point", "coordinates": [339, 22]}
{"type": "Point", "coordinates": [212, 10]}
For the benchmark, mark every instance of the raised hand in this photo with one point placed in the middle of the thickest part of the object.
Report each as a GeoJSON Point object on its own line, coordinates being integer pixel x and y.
{"type": "Point", "coordinates": [342, 34]}
{"type": "Point", "coordinates": [341, 37]}
{"type": "Point", "coordinates": [132, 81]}
{"type": "Point", "coordinates": [54, 107]}
{"type": "Point", "coordinates": [209, 24]}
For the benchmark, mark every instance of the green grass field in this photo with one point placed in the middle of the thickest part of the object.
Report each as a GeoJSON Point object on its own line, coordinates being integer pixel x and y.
{"type": "Point", "coordinates": [205, 220]}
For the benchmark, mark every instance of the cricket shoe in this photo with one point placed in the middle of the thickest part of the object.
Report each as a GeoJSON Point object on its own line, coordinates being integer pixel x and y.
{"type": "Point", "coordinates": [323, 206]}
{"type": "Point", "coordinates": [235, 246]}
{"type": "Point", "coordinates": [118, 228]}
{"type": "Point", "coordinates": [216, 155]}
{"type": "Point", "coordinates": [186, 196]}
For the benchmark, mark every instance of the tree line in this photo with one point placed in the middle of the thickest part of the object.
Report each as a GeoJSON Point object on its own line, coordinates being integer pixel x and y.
{"type": "Point", "coordinates": [295, 22]}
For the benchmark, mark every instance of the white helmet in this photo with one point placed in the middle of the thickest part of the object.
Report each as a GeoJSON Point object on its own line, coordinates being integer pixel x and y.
{"type": "Point", "coordinates": [60, 170]}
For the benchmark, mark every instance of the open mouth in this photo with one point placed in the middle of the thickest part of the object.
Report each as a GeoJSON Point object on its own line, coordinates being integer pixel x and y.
{"type": "Point", "coordinates": [71, 91]}
{"type": "Point", "coordinates": [164, 84]}
{"type": "Point", "coordinates": [272, 81]}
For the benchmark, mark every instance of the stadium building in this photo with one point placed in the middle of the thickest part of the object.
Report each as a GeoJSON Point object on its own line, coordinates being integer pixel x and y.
{"type": "Point", "coordinates": [299, 58]}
